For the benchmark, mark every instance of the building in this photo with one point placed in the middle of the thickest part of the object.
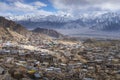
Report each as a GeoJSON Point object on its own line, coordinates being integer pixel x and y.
{"type": "Point", "coordinates": [2, 71]}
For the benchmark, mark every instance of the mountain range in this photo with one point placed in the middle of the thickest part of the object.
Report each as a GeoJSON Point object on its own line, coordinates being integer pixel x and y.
{"type": "Point", "coordinates": [105, 21]}
{"type": "Point", "coordinates": [97, 24]}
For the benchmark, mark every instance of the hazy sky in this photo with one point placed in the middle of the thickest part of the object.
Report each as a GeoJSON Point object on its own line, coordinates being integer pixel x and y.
{"type": "Point", "coordinates": [60, 7]}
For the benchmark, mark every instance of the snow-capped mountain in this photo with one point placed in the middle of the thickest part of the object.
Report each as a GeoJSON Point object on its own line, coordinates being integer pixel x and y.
{"type": "Point", "coordinates": [104, 21]}
{"type": "Point", "coordinates": [39, 18]}
{"type": "Point", "coordinates": [107, 22]}
{"type": "Point", "coordinates": [85, 23]}
{"type": "Point", "coordinates": [33, 21]}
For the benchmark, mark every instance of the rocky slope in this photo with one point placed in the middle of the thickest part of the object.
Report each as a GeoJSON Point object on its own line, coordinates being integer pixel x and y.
{"type": "Point", "coordinates": [13, 26]}
{"type": "Point", "coordinates": [49, 32]}
{"type": "Point", "coordinates": [10, 30]}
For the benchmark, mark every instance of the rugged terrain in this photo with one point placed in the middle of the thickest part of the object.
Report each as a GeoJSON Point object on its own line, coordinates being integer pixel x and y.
{"type": "Point", "coordinates": [10, 30]}
{"type": "Point", "coordinates": [49, 32]}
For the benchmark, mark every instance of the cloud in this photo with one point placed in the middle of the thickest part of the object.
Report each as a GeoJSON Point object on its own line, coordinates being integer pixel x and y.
{"type": "Point", "coordinates": [77, 6]}
{"type": "Point", "coordinates": [23, 7]}
{"type": "Point", "coordinates": [39, 4]}
{"type": "Point", "coordinates": [4, 7]}
{"type": "Point", "coordinates": [29, 7]}
{"type": "Point", "coordinates": [64, 7]}
{"type": "Point", "coordinates": [19, 7]}
{"type": "Point", "coordinates": [15, 0]}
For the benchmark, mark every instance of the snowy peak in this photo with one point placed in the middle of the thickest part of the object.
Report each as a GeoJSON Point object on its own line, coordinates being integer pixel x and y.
{"type": "Point", "coordinates": [24, 17]}
{"type": "Point", "coordinates": [106, 21]}
{"type": "Point", "coordinates": [40, 18]}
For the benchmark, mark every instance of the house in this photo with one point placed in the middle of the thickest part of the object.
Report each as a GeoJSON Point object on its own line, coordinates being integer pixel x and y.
{"type": "Point", "coordinates": [37, 75]}
{"type": "Point", "coordinates": [2, 71]}
{"type": "Point", "coordinates": [46, 58]}
{"type": "Point", "coordinates": [88, 79]}
{"type": "Point", "coordinates": [9, 60]}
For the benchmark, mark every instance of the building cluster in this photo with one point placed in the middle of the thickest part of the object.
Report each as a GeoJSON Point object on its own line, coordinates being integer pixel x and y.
{"type": "Point", "coordinates": [59, 60]}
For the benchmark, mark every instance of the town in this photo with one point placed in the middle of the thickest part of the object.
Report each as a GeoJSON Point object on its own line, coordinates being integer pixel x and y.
{"type": "Point", "coordinates": [60, 60]}
{"type": "Point", "coordinates": [59, 39]}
